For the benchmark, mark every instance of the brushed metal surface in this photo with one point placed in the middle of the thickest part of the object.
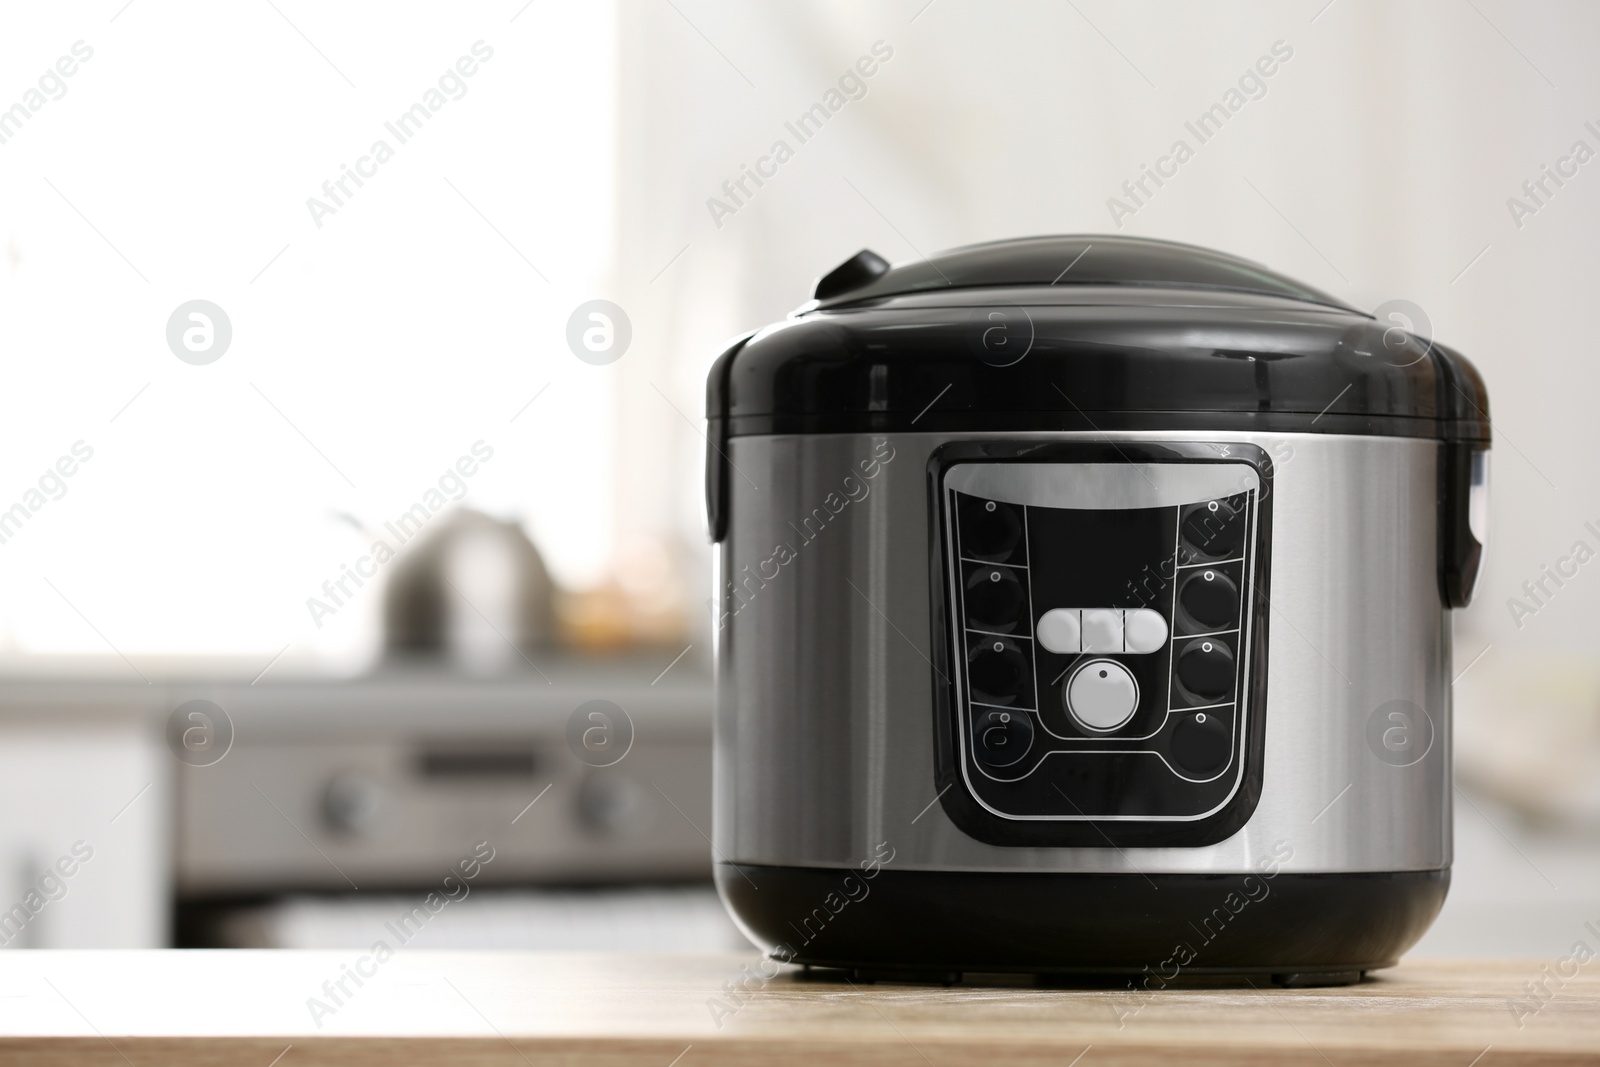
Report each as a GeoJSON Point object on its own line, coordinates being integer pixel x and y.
{"type": "Point", "coordinates": [1100, 486]}
{"type": "Point", "coordinates": [824, 724]}
{"type": "Point", "coordinates": [265, 818]}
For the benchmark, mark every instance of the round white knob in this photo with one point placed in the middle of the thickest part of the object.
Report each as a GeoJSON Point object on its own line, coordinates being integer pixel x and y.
{"type": "Point", "coordinates": [353, 803]}
{"type": "Point", "coordinates": [1102, 695]}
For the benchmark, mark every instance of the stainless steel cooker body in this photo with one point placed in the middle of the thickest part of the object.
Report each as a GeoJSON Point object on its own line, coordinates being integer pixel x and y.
{"type": "Point", "coordinates": [828, 626]}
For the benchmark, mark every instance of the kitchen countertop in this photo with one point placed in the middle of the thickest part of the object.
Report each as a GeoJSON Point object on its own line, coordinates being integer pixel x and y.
{"type": "Point", "coordinates": [214, 1007]}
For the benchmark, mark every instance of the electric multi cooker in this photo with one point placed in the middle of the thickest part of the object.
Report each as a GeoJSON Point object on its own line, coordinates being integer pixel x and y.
{"type": "Point", "coordinates": [1084, 607]}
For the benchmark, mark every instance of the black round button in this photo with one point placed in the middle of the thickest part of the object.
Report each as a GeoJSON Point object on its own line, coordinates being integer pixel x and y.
{"type": "Point", "coordinates": [1201, 743]}
{"type": "Point", "coordinates": [1211, 599]}
{"type": "Point", "coordinates": [997, 670]}
{"type": "Point", "coordinates": [1214, 529]}
{"type": "Point", "coordinates": [1206, 669]}
{"type": "Point", "coordinates": [994, 599]}
{"type": "Point", "coordinates": [990, 531]}
{"type": "Point", "coordinates": [1001, 738]}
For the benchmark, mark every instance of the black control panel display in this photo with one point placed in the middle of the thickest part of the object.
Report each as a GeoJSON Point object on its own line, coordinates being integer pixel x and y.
{"type": "Point", "coordinates": [1104, 661]}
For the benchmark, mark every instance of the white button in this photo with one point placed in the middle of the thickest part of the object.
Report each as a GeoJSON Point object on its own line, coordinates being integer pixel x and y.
{"type": "Point", "coordinates": [1146, 630]}
{"type": "Point", "coordinates": [1102, 629]}
{"type": "Point", "coordinates": [1058, 630]}
{"type": "Point", "coordinates": [1102, 695]}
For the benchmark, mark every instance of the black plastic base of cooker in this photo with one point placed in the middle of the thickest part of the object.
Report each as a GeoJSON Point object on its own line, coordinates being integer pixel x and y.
{"type": "Point", "coordinates": [936, 926]}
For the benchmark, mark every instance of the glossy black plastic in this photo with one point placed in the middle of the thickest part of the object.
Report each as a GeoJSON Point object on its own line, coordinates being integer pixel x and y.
{"type": "Point", "coordinates": [1094, 332]}
{"type": "Point", "coordinates": [1003, 676]}
{"type": "Point", "coordinates": [1158, 927]}
{"type": "Point", "coordinates": [854, 274]}
{"type": "Point", "coordinates": [1069, 261]}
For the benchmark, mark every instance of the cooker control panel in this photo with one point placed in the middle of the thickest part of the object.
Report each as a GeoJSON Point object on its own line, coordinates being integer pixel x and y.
{"type": "Point", "coordinates": [1104, 641]}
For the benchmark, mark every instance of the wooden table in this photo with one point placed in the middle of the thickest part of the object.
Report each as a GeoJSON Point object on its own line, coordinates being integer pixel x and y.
{"type": "Point", "coordinates": [194, 1007]}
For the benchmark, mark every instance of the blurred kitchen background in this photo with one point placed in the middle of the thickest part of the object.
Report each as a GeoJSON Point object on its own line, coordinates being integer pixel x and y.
{"type": "Point", "coordinates": [399, 371]}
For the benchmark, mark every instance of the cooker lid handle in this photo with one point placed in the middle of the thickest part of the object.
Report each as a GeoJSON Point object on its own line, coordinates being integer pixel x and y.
{"type": "Point", "coordinates": [860, 269]}
{"type": "Point", "coordinates": [718, 386]}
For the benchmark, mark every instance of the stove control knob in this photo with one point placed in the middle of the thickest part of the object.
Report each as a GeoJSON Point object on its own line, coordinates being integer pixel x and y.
{"type": "Point", "coordinates": [353, 804]}
{"type": "Point", "coordinates": [611, 804]}
{"type": "Point", "coordinates": [1102, 695]}
{"type": "Point", "coordinates": [1206, 669]}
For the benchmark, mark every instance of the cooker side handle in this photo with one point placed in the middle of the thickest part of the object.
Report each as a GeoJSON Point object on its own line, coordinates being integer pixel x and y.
{"type": "Point", "coordinates": [1463, 488]}
{"type": "Point", "coordinates": [717, 432]}
{"type": "Point", "coordinates": [1463, 475]}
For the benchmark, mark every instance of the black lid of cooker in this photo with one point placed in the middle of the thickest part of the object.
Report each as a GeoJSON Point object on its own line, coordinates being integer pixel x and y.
{"type": "Point", "coordinates": [1055, 261]}
{"type": "Point", "coordinates": [1084, 333]}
